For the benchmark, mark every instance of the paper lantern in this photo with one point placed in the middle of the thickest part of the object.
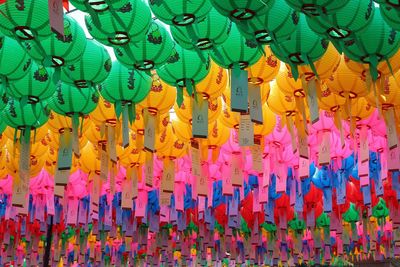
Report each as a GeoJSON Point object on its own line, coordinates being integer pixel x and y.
{"type": "Point", "coordinates": [330, 101]}
{"type": "Point", "coordinates": [104, 113]}
{"type": "Point", "coordinates": [128, 24]}
{"type": "Point", "coordinates": [161, 97]}
{"type": "Point", "coordinates": [391, 14]}
{"type": "Point", "coordinates": [303, 48]}
{"type": "Point", "coordinates": [384, 45]}
{"type": "Point", "coordinates": [98, 6]}
{"type": "Point", "coordinates": [36, 86]}
{"type": "Point", "coordinates": [388, 93]}
{"type": "Point", "coordinates": [92, 68]}
{"type": "Point", "coordinates": [57, 123]}
{"type": "Point", "coordinates": [176, 149]}
{"type": "Point", "coordinates": [125, 87]}
{"type": "Point", "coordinates": [360, 109]}
{"type": "Point", "coordinates": [279, 102]}
{"type": "Point", "coordinates": [340, 26]}
{"type": "Point", "coordinates": [276, 25]}
{"type": "Point", "coordinates": [69, 100]}
{"type": "Point", "coordinates": [347, 83]}
{"type": "Point", "coordinates": [264, 92]}
{"type": "Point", "coordinates": [25, 20]}
{"type": "Point", "coordinates": [236, 51]}
{"type": "Point", "coordinates": [265, 69]}
{"type": "Point", "coordinates": [184, 112]}
{"type": "Point", "coordinates": [14, 62]}
{"type": "Point", "coordinates": [184, 69]}
{"type": "Point", "coordinates": [214, 83]}
{"type": "Point", "coordinates": [242, 10]}
{"type": "Point", "coordinates": [317, 7]}
{"type": "Point", "coordinates": [58, 50]}
{"type": "Point", "coordinates": [180, 12]}
{"type": "Point", "coordinates": [151, 52]}
{"type": "Point", "coordinates": [25, 117]}
{"type": "Point", "coordinates": [206, 34]}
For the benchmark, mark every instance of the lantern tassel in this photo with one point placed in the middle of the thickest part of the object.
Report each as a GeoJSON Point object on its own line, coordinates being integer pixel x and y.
{"type": "Point", "coordinates": [179, 97]}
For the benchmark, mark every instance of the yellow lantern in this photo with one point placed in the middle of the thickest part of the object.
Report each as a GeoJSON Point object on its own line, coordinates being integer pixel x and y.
{"type": "Point", "coordinates": [217, 136]}
{"type": "Point", "coordinates": [161, 97]}
{"type": "Point", "coordinates": [329, 101]}
{"type": "Point", "coordinates": [383, 67]}
{"type": "Point", "coordinates": [213, 84]}
{"type": "Point", "coordinates": [287, 84]}
{"type": "Point", "coordinates": [269, 122]}
{"type": "Point", "coordinates": [12, 163]}
{"type": "Point", "coordinates": [104, 113]}
{"type": "Point", "coordinates": [347, 83]}
{"type": "Point", "coordinates": [264, 92]}
{"type": "Point", "coordinates": [266, 68]}
{"type": "Point", "coordinates": [36, 134]}
{"type": "Point", "coordinates": [359, 109]}
{"type": "Point", "coordinates": [325, 66]}
{"type": "Point", "coordinates": [182, 130]}
{"type": "Point", "coordinates": [388, 94]}
{"type": "Point", "coordinates": [281, 103]}
{"type": "Point", "coordinates": [3, 168]}
{"type": "Point", "coordinates": [135, 159]}
{"type": "Point", "coordinates": [176, 149]}
{"type": "Point", "coordinates": [90, 164]}
{"type": "Point", "coordinates": [58, 122]}
{"type": "Point", "coordinates": [184, 113]}
{"type": "Point", "coordinates": [228, 118]}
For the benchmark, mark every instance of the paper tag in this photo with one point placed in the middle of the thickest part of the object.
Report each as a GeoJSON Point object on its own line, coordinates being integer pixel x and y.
{"type": "Point", "coordinates": [236, 170]}
{"type": "Point", "coordinates": [64, 160]}
{"type": "Point", "coordinates": [239, 91]}
{"type": "Point", "coordinates": [168, 176]}
{"type": "Point", "coordinates": [96, 190]}
{"type": "Point", "coordinates": [103, 162]}
{"type": "Point", "coordinates": [324, 152]}
{"type": "Point", "coordinates": [196, 165]}
{"type": "Point", "coordinates": [304, 170]}
{"type": "Point", "coordinates": [227, 188]}
{"type": "Point", "coordinates": [111, 145]}
{"type": "Point", "coordinates": [246, 131]}
{"type": "Point", "coordinates": [61, 177]}
{"type": "Point", "coordinates": [364, 147]}
{"type": "Point", "coordinates": [72, 214]}
{"type": "Point", "coordinates": [303, 146]}
{"type": "Point", "coordinates": [393, 159]}
{"type": "Point", "coordinates": [391, 129]}
{"type": "Point", "coordinates": [266, 172]}
{"type": "Point", "coordinates": [56, 14]}
{"type": "Point", "coordinates": [50, 204]}
{"type": "Point", "coordinates": [200, 118]}
{"type": "Point", "coordinates": [134, 183]}
{"type": "Point", "coordinates": [112, 180]}
{"type": "Point", "coordinates": [125, 127]}
{"type": "Point", "coordinates": [202, 186]}
{"type": "Point", "coordinates": [59, 191]}
{"type": "Point", "coordinates": [257, 157]}
{"type": "Point", "coordinates": [165, 198]}
{"type": "Point", "coordinates": [150, 132]}
{"type": "Point", "coordinates": [281, 178]}
{"type": "Point", "coordinates": [312, 100]}
{"type": "Point", "coordinates": [255, 104]}
{"type": "Point", "coordinates": [19, 193]}
{"type": "Point", "coordinates": [127, 196]}
{"type": "Point", "coordinates": [149, 169]}
{"type": "Point", "coordinates": [141, 203]}
{"type": "Point", "coordinates": [363, 173]}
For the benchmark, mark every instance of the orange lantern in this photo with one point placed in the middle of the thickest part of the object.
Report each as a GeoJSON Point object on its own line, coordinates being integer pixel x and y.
{"type": "Point", "coordinates": [266, 68]}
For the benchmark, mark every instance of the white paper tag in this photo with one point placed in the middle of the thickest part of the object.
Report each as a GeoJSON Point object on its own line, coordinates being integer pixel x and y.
{"type": "Point", "coordinates": [312, 100]}
{"type": "Point", "coordinates": [256, 154]}
{"type": "Point", "coordinates": [255, 104]}
{"type": "Point", "coordinates": [168, 177]}
{"type": "Point", "coordinates": [111, 145]}
{"type": "Point", "coordinates": [246, 131]}
{"type": "Point", "coordinates": [150, 133]}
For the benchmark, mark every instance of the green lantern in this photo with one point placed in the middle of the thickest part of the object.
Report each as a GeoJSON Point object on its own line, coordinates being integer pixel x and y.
{"type": "Point", "coordinates": [25, 20]}
{"type": "Point", "coordinates": [184, 69]}
{"type": "Point", "coordinates": [351, 215]}
{"type": "Point", "coordinates": [14, 61]}
{"type": "Point", "coordinates": [3, 96]}
{"type": "Point", "coordinates": [98, 6]}
{"type": "Point", "coordinates": [125, 87]}
{"type": "Point", "coordinates": [297, 225]}
{"type": "Point", "coordinates": [37, 86]}
{"type": "Point", "coordinates": [323, 221]}
{"type": "Point", "coordinates": [391, 15]}
{"type": "Point", "coordinates": [58, 50]}
{"type": "Point", "coordinates": [180, 12]}
{"type": "Point", "coordinates": [317, 7]}
{"type": "Point", "coordinates": [69, 100]}
{"type": "Point", "coordinates": [241, 10]}
{"type": "Point", "coordinates": [380, 211]}
{"type": "Point", "coordinates": [25, 116]}
{"type": "Point", "coordinates": [353, 18]}
{"type": "Point", "coordinates": [377, 43]}
{"type": "Point", "coordinates": [236, 51]}
{"type": "Point", "coordinates": [304, 47]}
{"type": "Point", "coordinates": [128, 24]}
{"type": "Point", "coordinates": [152, 52]}
{"type": "Point", "coordinates": [206, 34]}
{"type": "Point", "coordinates": [93, 67]}
{"type": "Point", "coordinates": [277, 24]}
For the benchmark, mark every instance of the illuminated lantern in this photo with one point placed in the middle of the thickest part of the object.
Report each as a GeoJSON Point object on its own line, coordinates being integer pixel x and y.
{"type": "Point", "coordinates": [161, 97]}
{"type": "Point", "coordinates": [384, 45]}
{"type": "Point", "coordinates": [205, 34]}
{"type": "Point", "coordinates": [25, 20]}
{"type": "Point", "coordinates": [104, 113]}
{"type": "Point", "coordinates": [92, 68]}
{"type": "Point", "coordinates": [184, 69]}
{"type": "Point", "coordinates": [58, 50]}
{"type": "Point", "coordinates": [184, 113]}
{"type": "Point", "coordinates": [151, 52]}
{"type": "Point", "coordinates": [341, 25]}
{"type": "Point", "coordinates": [36, 86]}
{"type": "Point", "coordinates": [265, 69]}
{"type": "Point", "coordinates": [214, 83]}
{"type": "Point", "coordinates": [317, 7]}
{"type": "Point", "coordinates": [304, 47]}
{"type": "Point", "coordinates": [14, 61]}
{"type": "Point", "coordinates": [119, 27]}
{"type": "Point", "coordinates": [180, 12]}
{"type": "Point", "coordinates": [176, 149]}
{"type": "Point", "coordinates": [276, 25]}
